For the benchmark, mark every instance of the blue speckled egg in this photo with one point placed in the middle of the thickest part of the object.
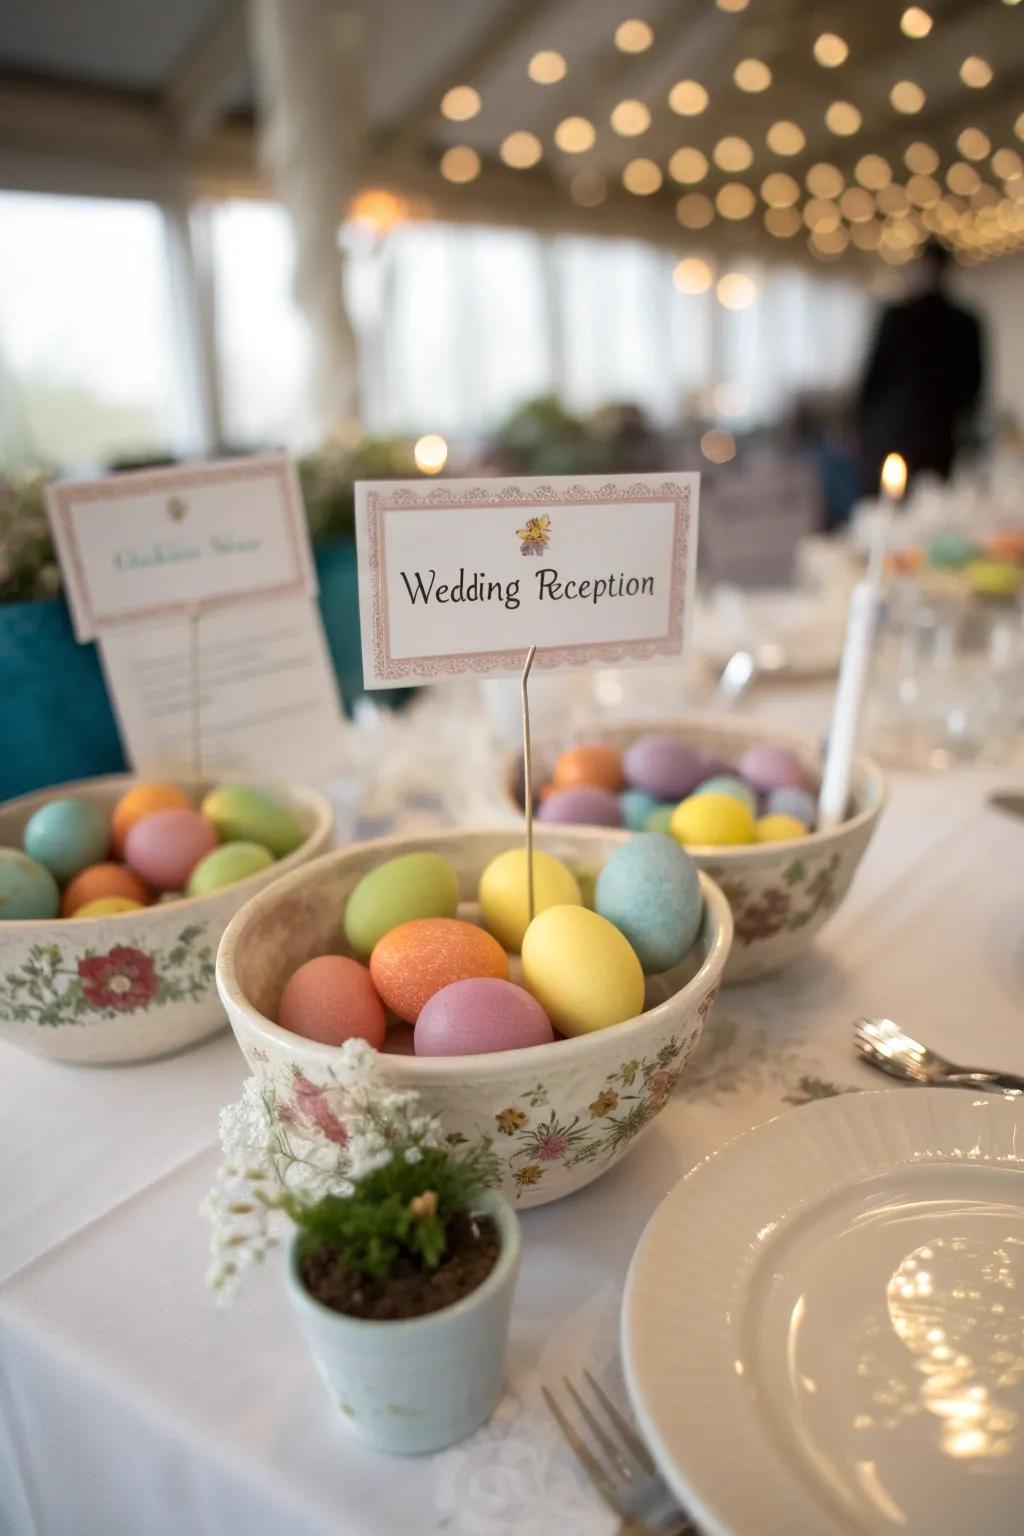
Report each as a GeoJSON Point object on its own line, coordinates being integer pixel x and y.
{"type": "Point", "coordinates": [787, 800]}
{"type": "Point", "coordinates": [636, 806]}
{"type": "Point", "coordinates": [650, 890]}
{"type": "Point", "coordinates": [27, 889]}
{"type": "Point", "coordinates": [727, 784]}
{"type": "Point", "coordinates": [67, 835]}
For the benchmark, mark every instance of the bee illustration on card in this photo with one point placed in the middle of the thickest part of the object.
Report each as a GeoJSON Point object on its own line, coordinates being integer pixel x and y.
{"type": "Point", "coordinates": [536, 536]}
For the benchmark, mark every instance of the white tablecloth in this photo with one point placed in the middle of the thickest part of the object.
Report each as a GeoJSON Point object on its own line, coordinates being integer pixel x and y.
{"type": "Point", "coordinates": [132, 1407]}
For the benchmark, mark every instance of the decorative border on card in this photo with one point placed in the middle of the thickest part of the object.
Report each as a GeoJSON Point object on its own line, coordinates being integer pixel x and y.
{"type": "Point", "coordinates": [119, 487]}
{"type": "Point", "coordinates": [607, 653]}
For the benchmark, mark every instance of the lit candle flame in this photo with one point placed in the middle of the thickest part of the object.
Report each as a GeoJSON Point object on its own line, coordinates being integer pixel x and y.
{"type": "Point", "coordinates": [894, 476]}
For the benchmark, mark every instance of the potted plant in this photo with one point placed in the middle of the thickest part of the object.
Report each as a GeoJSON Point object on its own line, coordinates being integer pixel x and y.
{"type": "Point", "coordinates": [402, 1262]}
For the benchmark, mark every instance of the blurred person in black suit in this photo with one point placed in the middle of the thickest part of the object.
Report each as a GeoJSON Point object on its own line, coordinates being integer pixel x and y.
{"type": "Point", "coordinates": [923, 377]}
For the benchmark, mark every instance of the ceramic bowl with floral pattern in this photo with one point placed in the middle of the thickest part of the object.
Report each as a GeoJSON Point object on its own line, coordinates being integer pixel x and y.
{"type": "Point", "coordinates": [558, 1115]}
{"type": "Point", "coordinates": [103, 990]}
{"type": "Point", "coordinates": [780, 893]}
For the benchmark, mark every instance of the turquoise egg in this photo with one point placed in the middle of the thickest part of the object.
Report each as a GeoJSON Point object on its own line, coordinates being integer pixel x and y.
{"type": "Point", "coordinates": [650, 890]}
{"type": "Point", "coordinates": [27, 889]}
{"type": "Point", "coordinates": [637, 805]}
{"type": "Point", "coordinates": [725, 784]}
{"type": "Point", "coordinates": [659, 819]}
{"type": "Point", "coordinates": [67, 835]}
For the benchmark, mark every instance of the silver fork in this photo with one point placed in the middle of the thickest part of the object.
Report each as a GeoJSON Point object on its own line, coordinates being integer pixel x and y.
{"type": "Point", "coordinates": [622, 1471]}
{"type": "Point", "coordinates": [892, 1050]}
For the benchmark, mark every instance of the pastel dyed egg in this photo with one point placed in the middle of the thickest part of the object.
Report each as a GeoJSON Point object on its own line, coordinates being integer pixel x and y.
{"type": "Point", "coordinates": [227, 865]}
{"type": "Point", "coordinates": [504, 895]}
{"type": "Point", "coordinates": [650, 889]}
{"type": "Point", "coordinates": [593, 765]}
{"type": "Point", "coordinates": [713, 821]}
{"type": "Point", "coordinates": [245, 815]}
{"type": "Point", "coordinates": [636, 806]}
{"type": "Point", "coordinates": [332, 999]}
{"type": "Point", "coordinates": [101, 881]}
{"type": "Point", "coordinates": [586, 876]}
{"type": "Point", "coordinates": [67, 835]}
{"type": "Point", "coordinates": [27, 888]}
{"type": "Point", "coordinates": [664, 766]}
{"type": "Point", "coordinates": [790, 801]}
{"type": "Point", "coordinates": [582, 970]}
{"type": "Point", "coordinates": [166, 847]}
{"type": "Point", "coordinates": [660, 819]}
{"type": "Point", "coordinates": [478, 1015]}
{"type": "Point", "coordinates": [726, 784]}
{"type": "Point", "coordinates": [779, 828]}
{"type": "Point", "coordinates": [586, 806]}
{"type": "Point", "coordinates": [398, 891]}
{"type": "Point", "coordinates": [766, 767]}
{"type": "Point", "coordinates": [416, 959]}
{"type": "Point", "coordinates": [108, 906]}
{"type": "Point", "coordinates": [142, 800]}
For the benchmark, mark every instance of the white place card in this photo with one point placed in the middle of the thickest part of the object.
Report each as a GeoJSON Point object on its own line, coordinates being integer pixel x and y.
{"type": "Point", "coordinates": [463, 576]}
{"type": "Point", "coordinates": [166, 541]}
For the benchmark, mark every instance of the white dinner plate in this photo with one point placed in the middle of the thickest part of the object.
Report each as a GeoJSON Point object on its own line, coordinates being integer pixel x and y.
{"type": "Point", "coordinates": [823, 1324]}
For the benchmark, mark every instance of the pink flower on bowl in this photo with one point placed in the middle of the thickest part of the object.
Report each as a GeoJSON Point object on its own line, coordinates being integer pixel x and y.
{"type": "Point", "coordinates": [124, 979]}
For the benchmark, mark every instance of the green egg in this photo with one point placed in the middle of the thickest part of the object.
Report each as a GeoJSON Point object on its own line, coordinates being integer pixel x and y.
{"type": "Point", "coordinates": [244, 815]}
{"type": "Point", "coordinates": [27, 889]}
{"type": "Point", "coordinates": [414, 885]}
{"type": "Point", "coordinates": [658, 821]}
{"type": "Point", "coordinates": [227, 865]}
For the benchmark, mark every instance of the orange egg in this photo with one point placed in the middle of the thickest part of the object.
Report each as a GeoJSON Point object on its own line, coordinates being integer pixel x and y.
{"type": "Point", "coordinates": [596, 766]}
{"type": "Point", "coordinates": [101, 880]}
{"type": "Point", "coordinates": [1007, 545]}
{"type": "Point", "coordinates": [331, 999]}
{"type": "Point", "coordinates": [142, 800]}
{"type": "Point", "coordinates": [417, 959]}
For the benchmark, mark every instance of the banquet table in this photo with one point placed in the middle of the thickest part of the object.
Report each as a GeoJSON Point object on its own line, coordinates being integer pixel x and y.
{"type": "Point", "coordinates": [131, 1404]}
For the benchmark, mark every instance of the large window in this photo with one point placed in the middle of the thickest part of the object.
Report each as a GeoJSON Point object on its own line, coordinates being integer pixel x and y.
{"type": "Point", "coordinates": [88, 370]}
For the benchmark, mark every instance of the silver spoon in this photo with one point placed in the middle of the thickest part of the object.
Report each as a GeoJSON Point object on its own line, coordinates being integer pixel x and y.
{"type": "Point", "coordinates": [742, 669]}
{"type": "Point", "coordinates": [885, 1046]}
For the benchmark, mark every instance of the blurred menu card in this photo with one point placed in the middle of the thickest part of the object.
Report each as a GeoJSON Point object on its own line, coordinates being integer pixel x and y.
{"type": "Point", "coordinates": [198, 584]}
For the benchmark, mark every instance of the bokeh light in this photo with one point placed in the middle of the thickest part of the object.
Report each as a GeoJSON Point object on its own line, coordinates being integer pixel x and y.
{"type": "Point", "coordinates": [520, 150]}
{"type": "Point", "coordinates": [547, 67]}
{"type": "Point", "coordinates": [630, 118]}
{"type": "Point", "coordinates": [752, 75]}
{"type": "Point", "coordinates": [692, 275]}
{"type": "Point", "coordinates": [642, 177]}
{"type": "Point", "coordinates": [460, 103]}
{"type": "Point", "coordinates": [785, 138]}
{"type": "Point", "coordinates": [735, 290]}
{"type": "Point", "coordinates": [695, 211]}
{"type": "Point", "coordinates": [688, 98]}
{"type": "Point", "coordinates": [831, 50]}
{"type": "Point", "coordinates": [843, 118]}
{"type": "Point", "coordinates": [574, 135]}
{"type": "Point", "coordinates": [688, 166]}
{"type": "Point", "coordinates": [907, 96]}
{"type": "Point", "coordinates": [633, 36]}
{"type": "Point", "coordinates": [431, 453]}
{"type": "Point", "coordinates": [460, 163]}
{"type": "Point", "coordinates": [732, 153]}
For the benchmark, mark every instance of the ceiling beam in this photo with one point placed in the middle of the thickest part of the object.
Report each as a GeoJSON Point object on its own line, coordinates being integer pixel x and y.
{"type": "Point", "coordinates": [199, 92]}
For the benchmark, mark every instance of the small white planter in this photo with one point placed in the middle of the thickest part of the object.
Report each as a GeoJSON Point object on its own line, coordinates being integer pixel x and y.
{"type": "Point", "coordinates": [426, 1382]}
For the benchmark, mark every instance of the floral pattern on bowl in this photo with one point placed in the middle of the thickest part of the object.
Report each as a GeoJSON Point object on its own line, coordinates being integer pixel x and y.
{"type": "Point", "coordinates": [48, 991]}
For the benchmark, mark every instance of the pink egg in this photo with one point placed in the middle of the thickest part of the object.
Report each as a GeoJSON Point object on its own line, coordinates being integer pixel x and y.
{"type": "Point", "coordinates": [771, 767]}
{"type": "Point", "coordinates": [165, 847]}
{"type": "Point", "coordinates": [478, 1015]}
{"type": "Point", "coordinates": [584, 806]}
{"type": "Point", "coordinates": [665, 767]}
{"type": "Point", "coordinates": [332, 999]}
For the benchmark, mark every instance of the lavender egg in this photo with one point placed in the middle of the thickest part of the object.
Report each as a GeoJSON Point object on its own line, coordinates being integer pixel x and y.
{"type": "Point", "coordinates": [790, 801]}
{"type": "Point", "coordinates": [769, 767]}
{"type": "Point", "coordinates": [666, 768]}
{"type": "Point", "coordinates": [479, 1015]}
{"type": "Point", "coordinates": [586, 805]}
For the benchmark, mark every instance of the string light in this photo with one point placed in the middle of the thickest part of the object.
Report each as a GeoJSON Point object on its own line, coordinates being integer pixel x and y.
{"type": "Point", "coordinates": [915, 22]}
{"type": "Point", "coordinates": [975, 72]}
{"type": "Point", "coordinates": [825, 180]}
{"type": "Point", "coordinates": [973, 144]}
{"type": "Point", "coordinates": [921, 158]}
{"type": "Point", "coordinates": [546, 67]}
{"type": "Point", "coordinates": [843, 118]}
{"type": "Point", "coordinates": [431, 453]}
{"type": "Point", "coordinates": [692, 275]}
{"type": "Point", "coordinates": [633, 36]}
{"type": "Point", "coordinates": [780, 190]}
{"type": "Point", "coordinates": [892, 200]}
{"type": "Point", "coordinates": [695, 211]}
{"type": "Point", "coordinates": [1007, 164]}
{"type": "Point", "coordinates": [630, 118]}
{"type": "Point", "coordinates": [642, 177]}
{"type": "Point", "coordinates": [735, 201]}
{"type": "Point", "coordinates": [460, 163]}
{"type": "Point", "coordinates": [867, 237]}
{"type": "Point", "coordinates": [831, 50]}
{"type": "Point", "coordinates": [574, 135]}
{"type": "Point", "coordinates": [873, 171]}
{"type": "Point", "coordinates": [588, 188]}
{"type": "Point", "coordinates": [782, 222]}
{"type": "Point", "coordinates": [829, 242]}
{"type": "Point", "coordinates": [752, 75]}
{"type": "Point", "coordinates": [785, 138]}
{"type": "Point", "coordinates": [688, 166]}
{"type": "Point", "coordinates": [736, 290]}
{"type": "Point", "coordinates": [962, 179]}
{"type": "Point", "coordinates": [376, 208]}
{"type": "Point", "coordinates": [520, 150]}
{"type": "Point", "coordinates": [1018, 126]}
{"type": "Point", "coordinates": [923, 191]}
{"type": "Point", "coordinates": [460, 103]}
{"type": "Point", "coordinates": [718, 446]}
{"type": "Point", "coordinates": [821, 213]}
{"type": "Point", "coordinates": [732, 153]}
{"type": "Point", "coordinates": [732, 5]}
{"type": "Point", "coordinates": [688, 98]}
{"type": "Point", "coordinates": [856, 205]}
{"type": "Point", "coordinates": [907, 96]}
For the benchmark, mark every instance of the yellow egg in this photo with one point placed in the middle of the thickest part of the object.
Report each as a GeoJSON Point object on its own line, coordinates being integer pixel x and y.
{"type": "Point", "coordinates": [712, 820]}
{"type": "Point", "coordinates": [581, 970]}
{"type": "Point", "coordinates": [586, 875]}
{"type": "Point", "coordinates": [504, 900]}
{"type": "Point", "coordinates": [107, 906]}
{"type": "Point", "coordinates": [779, 828]}
{"type": "Point", "coordinates": [994, 578]}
